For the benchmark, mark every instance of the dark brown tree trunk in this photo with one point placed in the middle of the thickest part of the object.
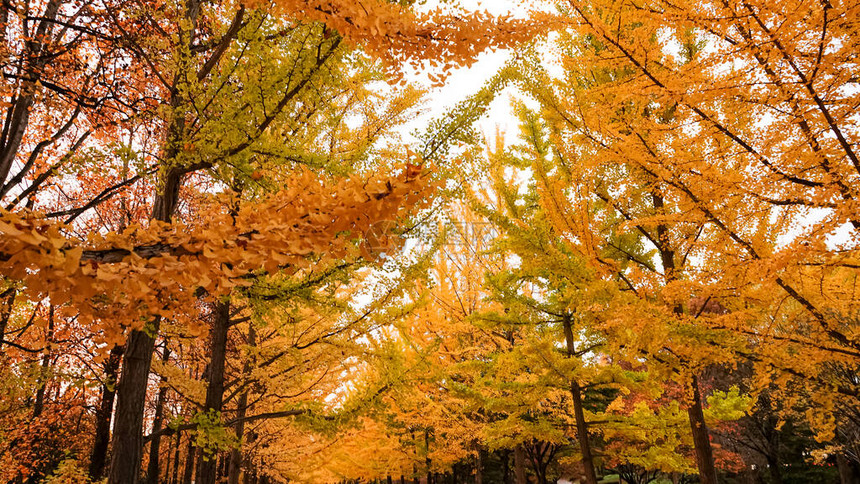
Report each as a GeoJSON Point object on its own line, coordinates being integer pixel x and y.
{"type": "Point", "coordinates": [242, 404]}
{"type": "Point", "coordinates": [131, 392]}
{"type": "Point", "coordinates": [773, 467]}
{"type": "Point", "coordinates": [427, 460]}
{"type": "Point", "coordinates": [768, 429]}
{"type": "Point", "coordinates": [235, 466]}
{"type": "Point", "coordinates": [168, 463]}
{"type": "Point", "coordinates": [152, 470]}
{"type": "Point", "coordinates": [479, 467]}
{"type": "Point", "coordinates": [7, 302]}
{"type": "Point", "coordinates": [127, 442]}
{"type": "Point", "coordinates": [39, 403]}
{"type": "Point", "coordinates": [98, 457]}
{"type": "Point", "coordinates": [188, 475]}
{"type": "Point", "coordinates": [540, 471]}
{"type": "Point", "coordinates": [701, 439]}
{"type": "Point", "coordinates": [520, 464]}
{"type": "Point", "coordinates": [206, 465]}
{"type": "Point", "coordinates": [175, 478]}
{"type": "Point", "coordinates": [849, 472]}
{"type": "Point", "coordinates": [578, 412]}
{"type": "Point", "coordinates": [506, 466]}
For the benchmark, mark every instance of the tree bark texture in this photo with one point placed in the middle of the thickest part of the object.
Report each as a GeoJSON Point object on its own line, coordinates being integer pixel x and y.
{"type": "Point", "coordinates": [242, 408]}
{"type": "Point", "coordinates": [579, 414]}
{"type": "Point", "coordinates": [207, 464]}
{"type": "Point", "coordinates": [152, 470]}
{"type": "Point", "coordinates": [127, 439]}
{"type": "Point", "coordinates": [520, 465]}
{"type": "Point", "coordinates": [701, 439]}
{"type": "Point", "coordinates": [98, 457]}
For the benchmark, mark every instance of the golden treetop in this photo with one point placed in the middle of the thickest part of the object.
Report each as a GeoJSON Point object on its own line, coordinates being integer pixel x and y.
{"type": "Point", "coordinates": [399, 34]}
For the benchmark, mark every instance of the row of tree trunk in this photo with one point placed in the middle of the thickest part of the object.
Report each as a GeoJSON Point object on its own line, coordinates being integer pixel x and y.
{"type": "Point", "coordinates": [165, 467]}
{"type": "Point", "coordinates": [182, 464]}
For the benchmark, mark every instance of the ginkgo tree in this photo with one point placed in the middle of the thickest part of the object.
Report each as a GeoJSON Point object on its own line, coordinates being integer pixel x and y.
{"type": "Point", "coordinates": [690, 188]}
{"type": "Point", "coordinates": [556, 288]}
{"type": "Point", "coordinates": [220, 260]}
{"type": "Point", "coordinates": [212, 110]}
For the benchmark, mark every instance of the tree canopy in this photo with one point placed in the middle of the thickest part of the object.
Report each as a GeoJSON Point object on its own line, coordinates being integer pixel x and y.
{"type": "Point", "coordinates": [235, 248]}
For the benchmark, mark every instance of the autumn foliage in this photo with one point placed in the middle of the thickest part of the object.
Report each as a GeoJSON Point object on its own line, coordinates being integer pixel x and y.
{"type": "Point", "coordinates": [228, 255]}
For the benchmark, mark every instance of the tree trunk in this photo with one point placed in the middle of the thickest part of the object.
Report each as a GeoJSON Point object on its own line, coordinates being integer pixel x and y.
{"type": "Point", "coordinates": [773, 467]}
{"type": "Point", "coordinates": [131, 393]}
{"type": "Point", "coordinates": [175, 478]}
{"type": "Point", "coordinates": [701, 440]}
{"type": "Point", "coordinates": [7, 302]}
{"type": "Point", "coordinates": [427, 460]}
{"type": "Point", "coordinates": [505, 456]}
{"type": "Point", "coordinates": [773, 437]}
{"type": "Point", "coordinates": [223, 466]}
{"type": "Point", "coordinates": [152, 470]}
{"type": "Point", "coordinates": [520, 464]}
{"type": "Point", "coordinates": [579, 414]}
{"type": "Point", "coordinates": [168, 464]}
{"type": "Point", "coordinates": [235, 466]}
{"type": "Point", "coordinates": [188, 475]}
{"type": "Point", "coordinates": [541, 473]}
{"type": "Point", "coordinates": [98, 457]}
{"type": "Point", "coordinates": [242, 404]}
{"type": "Point", "coordinates": [848, 471]}
{"type": "Point", "coordinates": [39, 404]}
{"type": "Point", "coordinates": [479, 467]}
{"type": "Point", "coordinates": [127, 440]}
{"type": "Point", "coordinates": [207, 465]}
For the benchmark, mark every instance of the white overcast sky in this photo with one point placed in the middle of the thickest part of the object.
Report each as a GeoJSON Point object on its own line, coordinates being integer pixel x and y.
{"type": "Point", "coordinates": [464, 82]}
